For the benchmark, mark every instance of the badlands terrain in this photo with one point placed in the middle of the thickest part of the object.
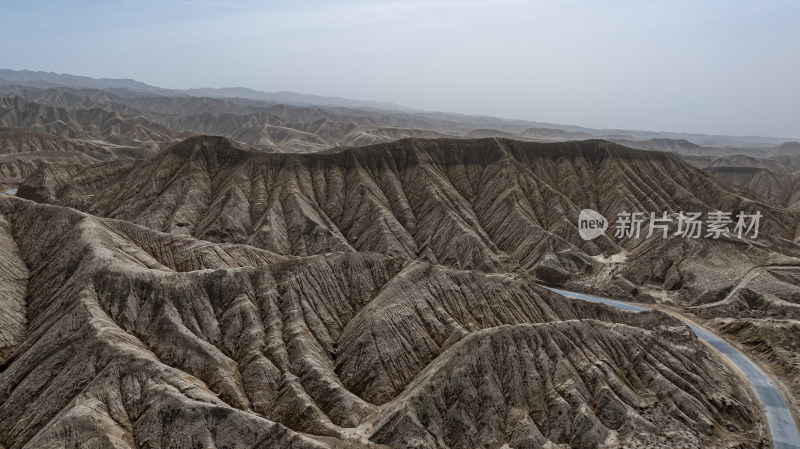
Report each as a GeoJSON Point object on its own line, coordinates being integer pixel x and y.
{"type": "Point", "coordinates": [340, 275]}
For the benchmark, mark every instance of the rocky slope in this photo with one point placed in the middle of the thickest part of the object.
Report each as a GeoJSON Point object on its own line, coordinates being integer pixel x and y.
{"type": "Point", "coordinates": [97, 125]}
{"type": "Point", "coordinates": [120, 335]}
{"type": "Point", "coordinates": [773, 177]}
{"type": "Point", "coordinates": [384, 295]}
{"type": "Point", "coordinates": [489, 203]}
{"type": "Point", "coordinates": [774, 341]}
{"type": "Point", "coordinates": [784, 165]}
{"type": "Point", "coordinates": [783, 189]}
{"type": "Point", "coordinates": [520, 366]}
{"type": "Point", "coordinates": [785, 149]}
{"type": "Point", "coordinates": [27, 140]}
{"type": "Point", "coordinates": [23, 151]}
{"type": "Point", "coordinates": [272, 132]}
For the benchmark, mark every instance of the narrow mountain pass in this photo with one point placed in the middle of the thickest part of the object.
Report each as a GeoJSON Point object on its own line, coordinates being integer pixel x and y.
{"type": "Point", "coordinates": [782, 426]}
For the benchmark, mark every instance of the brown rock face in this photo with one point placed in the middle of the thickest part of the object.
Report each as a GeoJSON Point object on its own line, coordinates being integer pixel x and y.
{"type": "Point", "coordinates": [91, 123]}
{"type": "Point", "coordinates": [23, 151]}
{"type": "Point", "coordinates": [553, 383]}
{"type": "Point", "coordinates": [486, 204]}
{"type": "Point", "coordinates": [213, 296]}
{"type": "Point", "coordinates": [135, 338]}
{"type": "Point", "coordinates": [27, 152]}
{"type": "Point", "coordinates": [782, 189]}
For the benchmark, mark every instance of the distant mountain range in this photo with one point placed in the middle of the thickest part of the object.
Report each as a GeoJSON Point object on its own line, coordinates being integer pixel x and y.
{"type": "Point", "coordinates": [50, 79]}
{"type": "Point", "coordinates": [133, 88]}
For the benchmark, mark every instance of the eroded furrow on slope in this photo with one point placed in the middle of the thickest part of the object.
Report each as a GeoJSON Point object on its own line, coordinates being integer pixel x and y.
{"type": "Point", "coordinates": [98, 310]}
{"type": "Point", "coordinates": [13, 288]}
{"type": "Point", "coordinates": [550, 383]}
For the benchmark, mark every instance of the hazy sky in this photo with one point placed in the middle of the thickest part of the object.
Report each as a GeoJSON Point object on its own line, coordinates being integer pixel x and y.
{"type": "Point", "coordinates": [730, 67]}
